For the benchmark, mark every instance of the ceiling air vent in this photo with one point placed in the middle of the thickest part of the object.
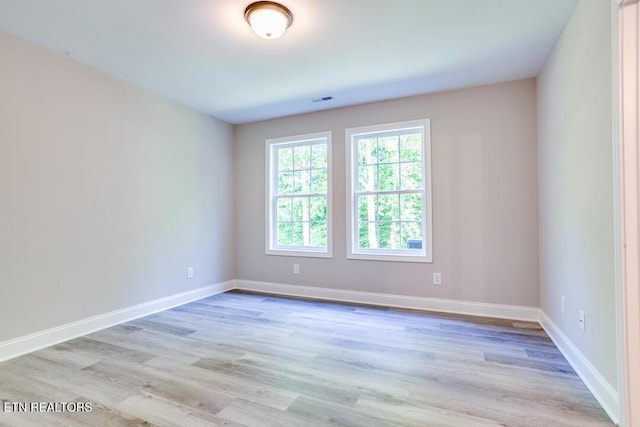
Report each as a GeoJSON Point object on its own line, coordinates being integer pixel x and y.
{"type": "Point", "coordinates": [323, 99]}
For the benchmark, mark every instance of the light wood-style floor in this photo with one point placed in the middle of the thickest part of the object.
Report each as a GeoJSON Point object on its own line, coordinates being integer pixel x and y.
{"type": "Point", "coordinates": [239, 359]}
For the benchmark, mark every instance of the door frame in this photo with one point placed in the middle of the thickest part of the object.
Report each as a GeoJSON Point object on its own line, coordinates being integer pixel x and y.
{"type": "Point", "coordinates": [626, 130]}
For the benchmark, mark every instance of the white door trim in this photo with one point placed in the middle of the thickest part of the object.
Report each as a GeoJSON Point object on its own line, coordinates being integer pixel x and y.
{"type": "Point", "coordinates": [626, 97]}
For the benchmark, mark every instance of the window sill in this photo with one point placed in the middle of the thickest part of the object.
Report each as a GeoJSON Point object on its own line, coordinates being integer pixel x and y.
{"type": "Point", "coordinates": [299, 253]}
{"type": "Point", "coordinates": [389, 257]}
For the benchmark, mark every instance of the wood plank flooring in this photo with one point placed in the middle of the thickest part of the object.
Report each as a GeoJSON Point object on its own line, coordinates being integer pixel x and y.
{"type": "Point", "coordinates": [240, 359]}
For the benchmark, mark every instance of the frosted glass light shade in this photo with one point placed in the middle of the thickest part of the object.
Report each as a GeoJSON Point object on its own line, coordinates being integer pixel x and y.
{"type": "Point", "coordinates": [268, 19]}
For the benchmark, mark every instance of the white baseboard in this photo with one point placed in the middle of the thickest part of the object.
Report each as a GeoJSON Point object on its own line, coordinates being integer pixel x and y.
{"type": "Point", "coordinates": [391, 300]}
{"type": "Point", "coordinates": [599, 387]}
{"type": "Point", "coordinates": [36, 341]}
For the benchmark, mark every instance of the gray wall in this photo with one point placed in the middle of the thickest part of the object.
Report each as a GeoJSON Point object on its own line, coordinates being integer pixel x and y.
{"type": "Point", "coordinates": [107, 193]}
{"type": "Point", "coordinates": [484, 198]}
{"type": "Point", "coordinates": [576, 185]}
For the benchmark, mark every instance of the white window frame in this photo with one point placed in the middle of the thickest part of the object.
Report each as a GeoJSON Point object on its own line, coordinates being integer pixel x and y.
{"type": "Point", "coordinates": [271, 247]}
{"type": "Point", "coordinates": [402, 255]}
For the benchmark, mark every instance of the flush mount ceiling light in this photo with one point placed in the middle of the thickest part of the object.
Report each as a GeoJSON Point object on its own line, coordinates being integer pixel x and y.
{"type": "Point", "coordinates": [268, 19]}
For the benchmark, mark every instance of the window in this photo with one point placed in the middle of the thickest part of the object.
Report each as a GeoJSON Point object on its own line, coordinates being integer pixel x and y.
{"type": "Point", "coordinates": [389, 192]}
{"type": "Point", "coordinates": [299, 195]}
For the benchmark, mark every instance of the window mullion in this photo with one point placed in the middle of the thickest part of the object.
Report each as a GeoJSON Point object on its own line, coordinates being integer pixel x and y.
{"type": "Point", "coordinates": [301, 196]}
{"type": "Point", "coordinates": [387, 192]}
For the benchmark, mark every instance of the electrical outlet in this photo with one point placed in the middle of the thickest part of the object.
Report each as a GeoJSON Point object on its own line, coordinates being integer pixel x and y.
{"type": "Point", "coordinates": [437, 278]}
{"type": "Point", "coordinates": [563, 305]}
{"type": "Point", "coordinates": [296, 268]}
{"type": "Point", "coordinates": [581, 320]}
{"type": "Point", "coordinates": [189, 272]}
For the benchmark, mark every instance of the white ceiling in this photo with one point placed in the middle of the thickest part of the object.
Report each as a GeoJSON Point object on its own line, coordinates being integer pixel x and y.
{"type": "Point", "coordinates": [203, 54]}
